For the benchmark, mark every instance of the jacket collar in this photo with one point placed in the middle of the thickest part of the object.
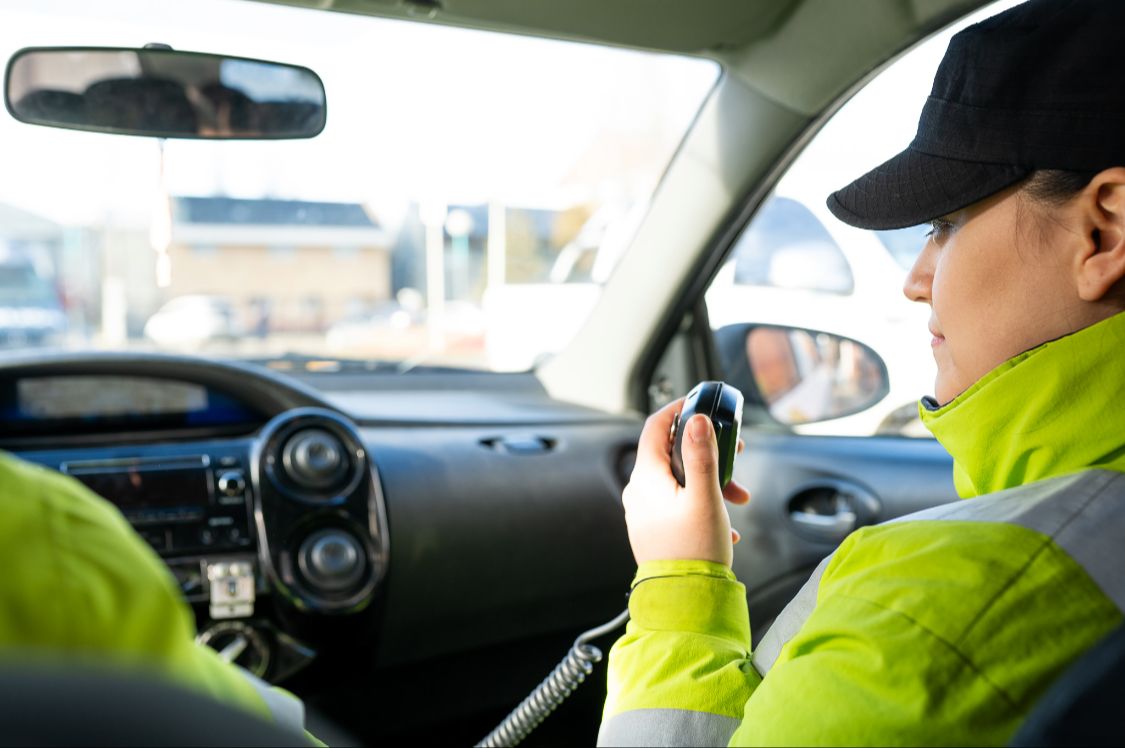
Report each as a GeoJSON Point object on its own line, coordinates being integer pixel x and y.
{"type": "Point", "coordinates": [1052, 410]}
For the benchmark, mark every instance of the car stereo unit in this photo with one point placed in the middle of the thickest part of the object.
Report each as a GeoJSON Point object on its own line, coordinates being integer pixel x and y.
{"type": "Point", "coordinates": [180, 505]}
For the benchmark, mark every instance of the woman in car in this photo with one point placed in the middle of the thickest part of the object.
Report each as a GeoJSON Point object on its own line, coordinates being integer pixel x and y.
{"type": "Point", "coordinates": [945, 626]}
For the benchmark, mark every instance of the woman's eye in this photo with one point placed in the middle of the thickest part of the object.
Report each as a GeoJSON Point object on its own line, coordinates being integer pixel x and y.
{"type": "Point", "coordinates": [939, 228]}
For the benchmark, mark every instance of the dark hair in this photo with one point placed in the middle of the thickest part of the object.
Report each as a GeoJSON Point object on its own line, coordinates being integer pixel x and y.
{"type": "Point", "coordinates": [1056, 186]}
{"type": "Point", "coordinates": [1050, 188]}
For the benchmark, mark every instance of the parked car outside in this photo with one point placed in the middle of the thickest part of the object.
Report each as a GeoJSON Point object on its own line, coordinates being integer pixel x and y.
{"type": "Point", "coordinates": [31, 312]}
{"type": "Point", "coordinates": [192, 321]}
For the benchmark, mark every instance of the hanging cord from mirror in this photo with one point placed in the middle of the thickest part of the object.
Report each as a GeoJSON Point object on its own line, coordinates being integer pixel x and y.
{"type": "Point", "coordinates": [555, 688]}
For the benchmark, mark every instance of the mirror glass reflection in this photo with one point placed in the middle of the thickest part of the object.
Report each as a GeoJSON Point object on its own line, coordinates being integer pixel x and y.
{"type": "Point", "coordinates": [807, 376]}
{"type": "Point", "coordinates": [164, 93]}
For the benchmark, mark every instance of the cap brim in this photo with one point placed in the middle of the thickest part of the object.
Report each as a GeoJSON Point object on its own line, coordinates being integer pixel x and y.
{"type": "Point", "coordinates": [915, 187]}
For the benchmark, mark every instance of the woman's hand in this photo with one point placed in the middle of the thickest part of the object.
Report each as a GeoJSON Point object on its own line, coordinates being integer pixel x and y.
{"type": "Point", "coordinates": [669, 522]}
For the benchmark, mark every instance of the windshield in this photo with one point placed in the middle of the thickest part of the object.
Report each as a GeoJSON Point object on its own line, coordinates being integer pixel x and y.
{"type": "Point", "coordinates": [467, 197]}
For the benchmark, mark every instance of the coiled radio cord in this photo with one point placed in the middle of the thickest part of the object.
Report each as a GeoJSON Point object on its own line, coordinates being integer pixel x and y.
{"type": "Point", "coordinates": [570, 673]}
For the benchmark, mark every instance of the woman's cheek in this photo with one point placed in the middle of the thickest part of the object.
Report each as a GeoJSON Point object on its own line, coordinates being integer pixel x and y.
{"type": "Point", "coordinates": [954, 320]}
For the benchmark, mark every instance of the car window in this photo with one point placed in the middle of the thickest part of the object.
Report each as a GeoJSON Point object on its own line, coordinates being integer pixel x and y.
{"type": "Point", "coordinates": [787, 247]}
{"type": "Point", "coordinates": [438, 202]}
{"type": "Point", "coordinates": [795, 266]}
{"type": "Point", "coordinates": [904, 244]}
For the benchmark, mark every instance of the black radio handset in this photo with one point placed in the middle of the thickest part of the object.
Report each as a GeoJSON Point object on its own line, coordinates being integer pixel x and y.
{"type": "Point", "coordinates": [723, 405]}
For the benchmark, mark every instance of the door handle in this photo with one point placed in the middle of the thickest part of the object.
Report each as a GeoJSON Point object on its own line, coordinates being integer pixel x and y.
{"type": "Point", "coordinates": [827, 526]}
{"type": "Point", "coordinates": [829, 510]}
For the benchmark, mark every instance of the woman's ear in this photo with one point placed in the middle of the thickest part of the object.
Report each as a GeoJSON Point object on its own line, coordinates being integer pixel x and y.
{"type": "Point", "coordinates": [1101, 263]}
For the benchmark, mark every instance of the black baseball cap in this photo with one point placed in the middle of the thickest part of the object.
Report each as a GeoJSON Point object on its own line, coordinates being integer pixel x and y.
{"type": "Point", "coordinates": [1039, 86]}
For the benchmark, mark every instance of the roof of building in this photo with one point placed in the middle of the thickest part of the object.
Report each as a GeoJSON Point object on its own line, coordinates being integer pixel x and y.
{"type": "Point", "coordinates": [268, 212]}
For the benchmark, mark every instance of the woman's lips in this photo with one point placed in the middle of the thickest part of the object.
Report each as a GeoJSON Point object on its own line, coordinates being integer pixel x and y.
{"type": "Point", "coordinates": [936, 341]}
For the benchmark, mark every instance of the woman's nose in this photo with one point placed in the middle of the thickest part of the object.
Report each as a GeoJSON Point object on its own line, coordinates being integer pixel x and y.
{"type": "Point", "coordinates": [920, 279]}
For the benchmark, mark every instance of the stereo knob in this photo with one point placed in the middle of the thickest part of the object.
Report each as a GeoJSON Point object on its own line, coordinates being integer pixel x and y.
{"type": "Point", "coordinates": [332, 560]}
{"type": "Point", "coordinates": [315, 458]}
{"type": "Point", "coordinates": [232, 483]}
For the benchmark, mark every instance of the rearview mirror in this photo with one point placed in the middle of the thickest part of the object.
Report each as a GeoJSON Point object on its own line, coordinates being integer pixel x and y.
{"type": "Point", "coordinates": [802, 376]}
{"type": "Point", "coordinates": [163, 93]}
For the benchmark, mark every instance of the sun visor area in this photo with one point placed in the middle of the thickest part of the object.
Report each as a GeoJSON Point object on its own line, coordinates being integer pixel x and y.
{"type": "Point", "coordinates": [667, 25]}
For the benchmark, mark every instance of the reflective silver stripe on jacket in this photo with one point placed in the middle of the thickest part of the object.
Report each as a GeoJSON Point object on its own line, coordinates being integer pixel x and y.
{"type": "Point", "coordinates": [1084, 514]}
{"type": "Point", "coordinates": [788, 622]}
{"type": "Point", "coordinates": [667, 727]}
{"type": "Point", "coordinates": [287, 710]}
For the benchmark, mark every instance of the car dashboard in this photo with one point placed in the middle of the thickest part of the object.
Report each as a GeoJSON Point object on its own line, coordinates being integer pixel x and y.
{"type": "Point", "coordinates": [347, 543]}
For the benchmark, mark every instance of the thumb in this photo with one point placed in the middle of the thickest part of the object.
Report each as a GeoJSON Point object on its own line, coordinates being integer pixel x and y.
{"type": "Point", "coordinates": [701, 455]}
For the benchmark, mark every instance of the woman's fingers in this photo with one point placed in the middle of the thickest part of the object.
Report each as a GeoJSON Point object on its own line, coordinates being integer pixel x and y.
{"type": "Point", "coordinates": [735, 536]}
{"type": "Point", "coordinates": [701, 459]}
{"type": "Point", "coordinates": [654, 447]}
{"type": "Point", "coordinates": [736, 493]}
{"type": "Point", "coordinates": [666, 520]}
{"type": "Point", "coordinates": [741, 446]}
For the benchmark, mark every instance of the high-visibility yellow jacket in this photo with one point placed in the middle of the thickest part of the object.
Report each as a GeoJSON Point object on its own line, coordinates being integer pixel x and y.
{"type": "Point", "coordinates": [942, 627]}
{"type": "Point", "coordinates": [80, 587]}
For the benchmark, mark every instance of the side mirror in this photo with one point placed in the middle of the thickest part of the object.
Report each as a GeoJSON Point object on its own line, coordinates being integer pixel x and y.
{"type": "Point", "coordinates": [163, 93]}
{"type": "Point", "coordinates": [802, 376]}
